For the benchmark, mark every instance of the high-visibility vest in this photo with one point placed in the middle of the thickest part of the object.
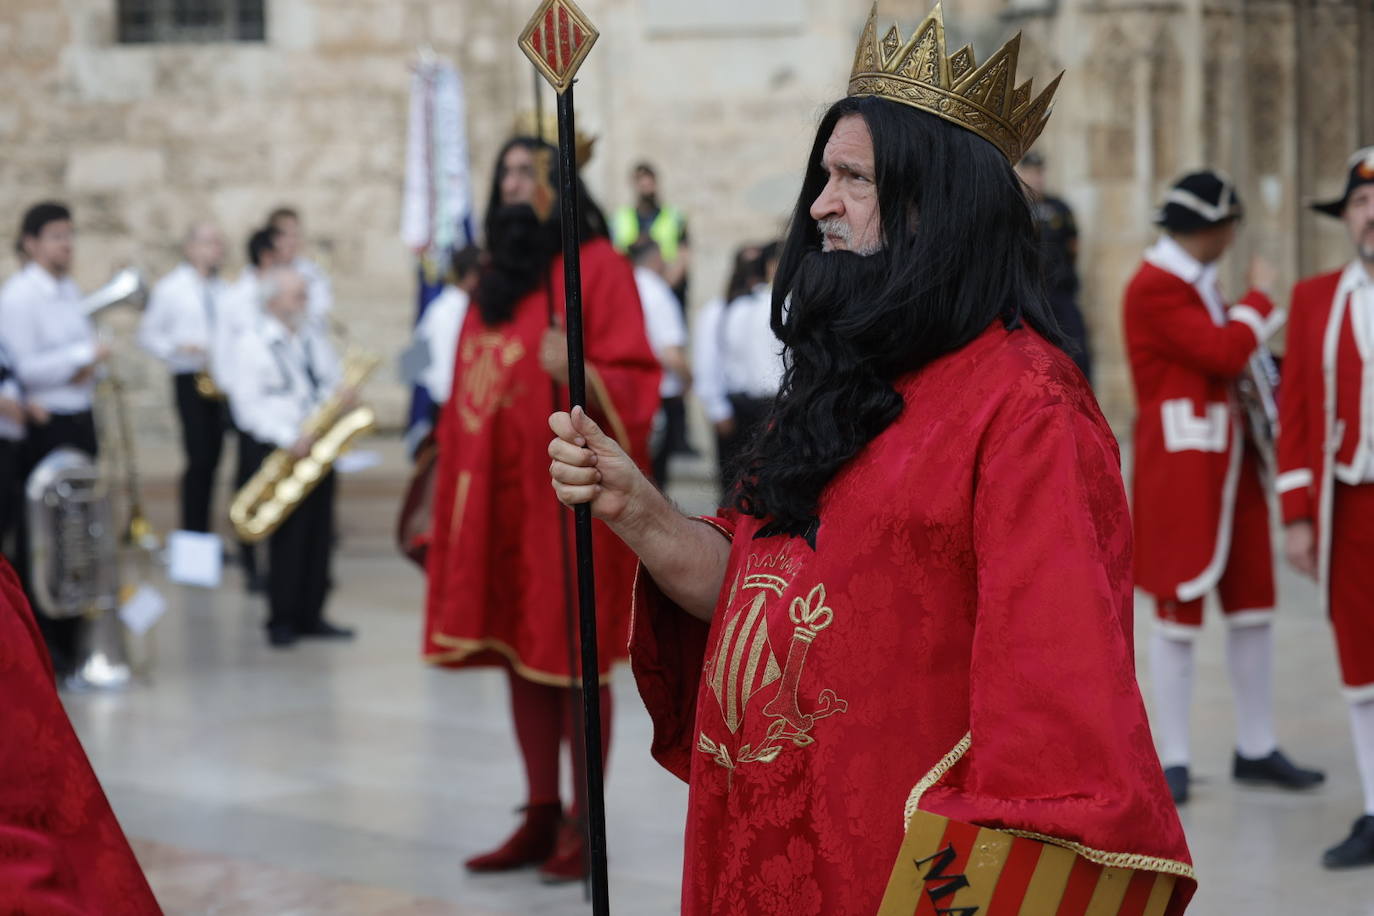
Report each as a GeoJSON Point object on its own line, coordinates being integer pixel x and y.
{"type": "Point", "coordinates": [666, 230]}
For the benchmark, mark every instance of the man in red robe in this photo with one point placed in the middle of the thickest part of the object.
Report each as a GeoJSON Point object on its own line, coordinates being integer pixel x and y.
{"type": "Point", "coordinates": [499, 565]}
{"type": "Point", "coordinates": [1326, 460]}
{"type": "Point", "coordinates": [897, 670]}
{"type": "Point", "coordinates": [61, 850]}
{"type": "Point", "coordinates": [1202, 478]}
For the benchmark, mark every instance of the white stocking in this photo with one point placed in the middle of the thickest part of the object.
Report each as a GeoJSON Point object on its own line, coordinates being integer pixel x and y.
{"type": "Point", "coordinates": [1171, 670]}
{"type": "Point", "coordinates": [1250, 656]}
{"type": "Point", "coordinates": [1362, 730]}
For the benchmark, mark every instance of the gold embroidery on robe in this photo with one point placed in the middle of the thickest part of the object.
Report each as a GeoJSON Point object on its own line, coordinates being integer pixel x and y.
{"type": "Point", "coordinates": [744, 665]}
{"type": "Point", "coordinates": [487, 358]}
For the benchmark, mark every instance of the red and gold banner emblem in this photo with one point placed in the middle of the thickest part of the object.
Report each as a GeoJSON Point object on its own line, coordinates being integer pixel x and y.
{"type": "Point", "coordinates": [948, 867]}
{"type": "Point", "coordinates": [557, 39]}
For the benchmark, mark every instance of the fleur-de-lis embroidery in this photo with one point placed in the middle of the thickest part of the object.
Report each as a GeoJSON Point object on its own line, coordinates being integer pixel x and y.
{"type": "Point", "coordinates": [812, 612]}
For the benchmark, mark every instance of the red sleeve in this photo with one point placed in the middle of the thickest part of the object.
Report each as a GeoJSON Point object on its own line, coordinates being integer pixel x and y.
{"type": "Point", "coordinates": [622, 372]}
{"type": "Point", "coordinates": [1188, 334]}
{"type": "Point", "coordinates": [1059, 744]}
{"type": "Point", "coordinates": [1296, 483]}
{"type": "Point", "coordinates": [61, 849]}
{"type": "Point", "coordinates": [667, 652]}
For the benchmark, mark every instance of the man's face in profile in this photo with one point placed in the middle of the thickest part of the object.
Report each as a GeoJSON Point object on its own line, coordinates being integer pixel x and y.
{"type": "Point", "coordinates": [847, 212]}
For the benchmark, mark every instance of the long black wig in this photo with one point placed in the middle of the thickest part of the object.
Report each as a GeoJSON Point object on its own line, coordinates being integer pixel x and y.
{"type": "Point", "coordinates": [519, 245]}
{"type": "Point", "coordinates": [959, 253]}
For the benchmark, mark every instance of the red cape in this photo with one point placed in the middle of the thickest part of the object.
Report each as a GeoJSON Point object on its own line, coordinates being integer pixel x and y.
{"type": "Point", "coordinates": [496, 584]}
{"type": "Point", "coordinates": [959, 642]}
{"type": "Point", "coordinates": [61, 850]}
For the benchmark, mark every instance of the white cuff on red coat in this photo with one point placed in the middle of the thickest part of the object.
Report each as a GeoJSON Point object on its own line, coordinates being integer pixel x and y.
{"type": "Point", "coordinates": [1263, 326]}
{"type": "Point", "coordinates": [1293, 480]}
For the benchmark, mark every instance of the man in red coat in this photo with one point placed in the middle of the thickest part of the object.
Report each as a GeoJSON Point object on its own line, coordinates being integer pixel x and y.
{"type": "Point", "coordinates": [896, 671]}
{"type": "Point", "coordinates": [499, 574]}
{"type": "Point", "coordinates": [1326, 460]}
{"type": "Point", "coordinates": [61, 850]}
{"type": "Point", "coordinates": [1201, 502]}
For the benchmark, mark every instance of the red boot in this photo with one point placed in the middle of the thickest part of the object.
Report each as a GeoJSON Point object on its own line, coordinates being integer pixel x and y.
{"type": "Point", "coordinates": [569, 860]}
{"type": "Point", "coordinates": [531, 844]}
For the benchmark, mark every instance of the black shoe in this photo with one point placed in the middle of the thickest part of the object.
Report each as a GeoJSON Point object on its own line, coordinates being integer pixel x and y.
{"type": "Point", "coordinates": [1275, 770]}
{"type": "Point", "coordinates": [326, 630]}
{"type": "Point", "coordinates": [1177, 778]}
{"type": "Point", "coordinates": [255, 583]}
{"type": "Point", "coordinates": [281, 637]}
{"type": "Point", "coordinates": [1356, 849]}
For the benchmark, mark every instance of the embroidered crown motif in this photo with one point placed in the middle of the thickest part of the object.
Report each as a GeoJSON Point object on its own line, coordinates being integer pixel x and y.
{"type": "Point", "coordinates": [984, 99]}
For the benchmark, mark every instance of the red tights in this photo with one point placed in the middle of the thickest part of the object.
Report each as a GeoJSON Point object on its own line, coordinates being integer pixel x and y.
{"type": "Point", "coordinates": [543, 721]}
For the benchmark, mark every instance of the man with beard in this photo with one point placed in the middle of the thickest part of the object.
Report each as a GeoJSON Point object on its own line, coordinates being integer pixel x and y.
{"type": "Point", "coordinates": [1326, 460]}
{"type": "Point", "coordinates": [916, 615]}
{"type": "Point", "coordinates": [498, 565]}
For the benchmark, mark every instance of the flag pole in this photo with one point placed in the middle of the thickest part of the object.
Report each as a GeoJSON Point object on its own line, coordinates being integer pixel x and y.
{"type": "Point", "coordinates": [575, 694]}
{"type": "Point", "coordinates": [557, 40]}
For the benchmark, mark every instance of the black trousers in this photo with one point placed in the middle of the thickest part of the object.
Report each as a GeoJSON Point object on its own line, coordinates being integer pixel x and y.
{"type": "Point", "coordinates": [250, 455]}
{"type": "Point", "coordinates": [751, 414]}
{"type": "Point", "coordinates": [202, 439]}
{"type": "Point", "coordinates": [78, 431]}
{"type": "Point", "coordinates": [298, 563]}
{"type": "Point", "coordinates": [11, 497]}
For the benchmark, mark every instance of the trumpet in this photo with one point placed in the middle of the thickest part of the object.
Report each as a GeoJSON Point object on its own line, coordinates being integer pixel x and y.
{"type": "Point", "coordinates": [206, 387]}
{"type": "Point", "coordinates": [283, 481]}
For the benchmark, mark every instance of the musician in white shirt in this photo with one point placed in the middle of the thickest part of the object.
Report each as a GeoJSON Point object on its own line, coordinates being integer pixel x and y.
{"type": "Point", "coordinates": [11, 441]}
{"type": "Point", "coordinates": [667, 331]}
{"type": "Point", "coordinates": [55, 356]}
{"type": "Point", "coordinates": [237, 314]}
{"type": "Point", "coordinates": [290, 241]}
{"type": "Point", "coordinates": [179, 329]}
{"type": "Point", "coordinates": [285, 368]}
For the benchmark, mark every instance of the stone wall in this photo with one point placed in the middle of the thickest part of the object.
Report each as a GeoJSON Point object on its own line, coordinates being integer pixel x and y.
{"type": "Point", "coordinates": [722, 96]}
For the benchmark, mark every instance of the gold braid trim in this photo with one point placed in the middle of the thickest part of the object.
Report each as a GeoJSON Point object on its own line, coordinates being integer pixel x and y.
{"type": "Point", "coordinates": [463, 649]}
{"type": "Point", "coordinates": [1131, 860]}
{"type": "Point", "coordinates": [714, 526]}
{"type": "Point", "coordinates": [936, 773]}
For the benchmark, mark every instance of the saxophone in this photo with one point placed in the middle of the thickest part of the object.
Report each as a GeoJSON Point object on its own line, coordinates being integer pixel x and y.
{"type": "Point", "coordinates": [274, 492]}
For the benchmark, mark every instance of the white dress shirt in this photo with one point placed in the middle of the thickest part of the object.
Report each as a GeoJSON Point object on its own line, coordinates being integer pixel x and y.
{"type": "Point", "coordinates": [280, 378]}
{"type": "Point", "coordinates": [439, 328]}
{"type": "Point", "coordinates": [751, 354]}
{"type": "Point", "coordinates": [236, 313]}
{"type": "Point", "coordinates": [181, 313]}
{"type": "Point", "coordinates": [49, 338]}
{"type": "Point", "coordinates": [9, 388]}
{"type": "Point", "coordinates": [663, 324]}
{"type": "Point", "coordinates": [708, 377]}
{"type": "Point", "coordinates": [320, 294]}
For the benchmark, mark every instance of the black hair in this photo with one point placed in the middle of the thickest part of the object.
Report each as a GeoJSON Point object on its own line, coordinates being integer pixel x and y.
{"type": "Point", "coordinates": [281, 213]}
{"type": "Point", "coordinates": [39, 215]}
{"type": "Point", "coordinates": [746, 273]}
{"type": "Point", "coordinates": [644, 168]}
{"type": "Point", "coordinates": [959, 253]}
{"type": "Point", "coordinates": [261, 242]}
{"type": "Point", "coordinates": [520, 245]}
{"type": "Point", "coordinates": [465, 260]}
{"type": "Point", "coordinates": [641, 250]}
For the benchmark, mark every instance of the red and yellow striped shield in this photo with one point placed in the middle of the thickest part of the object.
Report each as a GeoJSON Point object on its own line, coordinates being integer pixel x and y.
{"type": "Point", "coordinates": [948, 868]}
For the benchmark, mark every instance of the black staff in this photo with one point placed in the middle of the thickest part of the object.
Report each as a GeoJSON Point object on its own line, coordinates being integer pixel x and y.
{"type": "Point", "coordinates": [557, 40]}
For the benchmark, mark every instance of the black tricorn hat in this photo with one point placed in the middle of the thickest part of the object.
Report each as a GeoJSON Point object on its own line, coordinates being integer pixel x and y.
{"type": "Point", "coordinates": [1361, 171]}
{"type": "Point", "coordinates": [1199, 200]}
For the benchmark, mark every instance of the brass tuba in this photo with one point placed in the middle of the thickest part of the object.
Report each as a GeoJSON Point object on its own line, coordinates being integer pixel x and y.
{"type": "Point", "coordinates": [74, 562]}
{"type": "Point", "coordinates": [274, 492]}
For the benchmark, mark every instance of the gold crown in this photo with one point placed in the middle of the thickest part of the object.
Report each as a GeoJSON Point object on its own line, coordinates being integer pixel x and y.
{"type": "Point", "coordinates": [527, 125]}
{"type": "Point", "coordinates": [917, 72]}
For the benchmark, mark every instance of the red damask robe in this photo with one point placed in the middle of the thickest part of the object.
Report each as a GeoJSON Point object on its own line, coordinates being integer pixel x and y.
{"type": "Point", "coordinates": [495, 567]}
{"type": "Point", "coordinates": [958, 641]}
{"type": "Point", "coordinates": [61, 850]}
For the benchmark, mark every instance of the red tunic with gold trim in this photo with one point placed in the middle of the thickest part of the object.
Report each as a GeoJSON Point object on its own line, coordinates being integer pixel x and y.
{"type": "Point", "coordinates": [61, 849]}
{"type": "Point", "coordinates": [957, 641]}
{"type": "Point", "coordinates": [495, 565]}
{"type": "Point", "coordinates": [1189, 436]}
